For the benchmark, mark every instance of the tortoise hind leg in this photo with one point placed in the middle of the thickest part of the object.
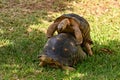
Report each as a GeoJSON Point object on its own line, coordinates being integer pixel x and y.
{"type": "Point", "coordinates": [88, 49]}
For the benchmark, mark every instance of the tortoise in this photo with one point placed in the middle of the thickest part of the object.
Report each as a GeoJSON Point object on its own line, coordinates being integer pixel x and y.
{"type": "Point", "coordinates": [75, 25]}
{"type": "Point", "coordinates": [61, 51]}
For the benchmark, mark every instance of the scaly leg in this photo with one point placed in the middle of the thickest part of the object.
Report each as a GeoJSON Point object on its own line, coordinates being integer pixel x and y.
{"type": "Point", "coordinates": [78, 35]}
{"type": "Point", "coordinates": [42, 63]}
{"type": "Point", "coordinates": [51, 29]}
{"type": "Point", "coordinates": [63, 24]}
{"type": "Point", "coordinates": [68, 68]}
{"type": "Point", "coordinates": [77, 31]}
{"type": "Point", "coordinates": [88, 48]}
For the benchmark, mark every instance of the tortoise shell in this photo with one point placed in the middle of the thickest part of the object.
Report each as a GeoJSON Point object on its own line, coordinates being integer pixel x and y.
{"type": "Point", "coordinates": [62, 48]}
{"type": "Point", "coordinates": [84, 25]}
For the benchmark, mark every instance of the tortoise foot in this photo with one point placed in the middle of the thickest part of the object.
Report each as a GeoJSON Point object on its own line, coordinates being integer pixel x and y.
{"type": "Point", "coordinates": [42, 63]}
{"type": "Point", "coordinates": [68, 68]}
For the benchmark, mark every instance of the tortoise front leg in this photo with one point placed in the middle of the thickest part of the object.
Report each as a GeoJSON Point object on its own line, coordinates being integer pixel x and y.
{"type": "Point", "coordinates": [68, 68]}
{"type": "Point", "coordinates": [63, 24]}
{"type": "Point", "coordinates": [51, 29]}
{"type": "Point", "coordinates": [42, 63]}
{"type": "Point", "coordinates": [88, 48]}
{"type": "Point", "coordinates": [78, 34]}
{"type": "Point", "coordinates": [64, 67]}
{"type": "Point", "coordinates": [77, 31]}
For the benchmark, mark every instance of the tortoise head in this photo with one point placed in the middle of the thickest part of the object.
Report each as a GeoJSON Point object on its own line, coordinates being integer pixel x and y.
{"type": "Point", "coordinates": [63, 24]}
{"type": "Point", "coordinates": [45, 58]}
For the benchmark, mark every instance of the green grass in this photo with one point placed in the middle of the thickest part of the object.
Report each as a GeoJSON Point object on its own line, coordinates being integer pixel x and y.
{"type": "Point", "coordinates": [22, 36]}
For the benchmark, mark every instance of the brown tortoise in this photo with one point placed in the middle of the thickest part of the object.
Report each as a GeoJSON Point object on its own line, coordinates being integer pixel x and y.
{"type": "Point", "coordinates": [75, 25]}
{"type": "Point", "coordinates": [61, 51]}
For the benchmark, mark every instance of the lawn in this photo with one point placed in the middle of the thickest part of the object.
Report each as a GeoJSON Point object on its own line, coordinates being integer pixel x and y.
{"type": "Point", "coordinates": [23, 25]}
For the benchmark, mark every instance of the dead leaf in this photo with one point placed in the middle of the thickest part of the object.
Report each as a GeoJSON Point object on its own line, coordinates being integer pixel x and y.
{"type": "Point", "coordinates": [106, 50]}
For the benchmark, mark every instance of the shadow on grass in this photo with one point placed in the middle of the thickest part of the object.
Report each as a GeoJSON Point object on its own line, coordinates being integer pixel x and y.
{"type": "Point", "coordinates": [20, 44]}
{"type": "Point", "coordinates": [104, 64]}
{"type": "Point", "coordinates": [35, 5]}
